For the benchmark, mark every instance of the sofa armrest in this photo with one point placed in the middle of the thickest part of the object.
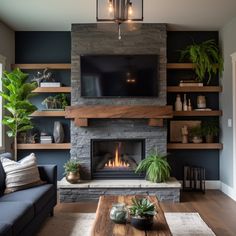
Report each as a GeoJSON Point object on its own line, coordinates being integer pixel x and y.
{"type": "Point", "coordinates": [48, 173]}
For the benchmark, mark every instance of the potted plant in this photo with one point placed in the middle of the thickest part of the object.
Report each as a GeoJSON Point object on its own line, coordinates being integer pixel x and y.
{"type": "Point", "coordinates": [142, 212]}
{"type": "Point", "coordinates": [210, 129]}
{"type": "Point", "coordinates": [196, 134]}
{"type": "Point", "coordinates": [206, 58]}
{"type": "Point", "coordinates": [72, 171]}
{"type": "Point", "coordinates": [16, 94]}
{"type": "Point", "coordinates": [156, 167]}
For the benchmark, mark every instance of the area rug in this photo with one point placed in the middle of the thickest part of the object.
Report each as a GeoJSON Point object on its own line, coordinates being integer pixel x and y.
{"type": "Point", "coordinates": [181, 224]}
{"type": "Point", "coordinates": [80, 224]}
{"type": "Point", "coordinates": [68, 224]}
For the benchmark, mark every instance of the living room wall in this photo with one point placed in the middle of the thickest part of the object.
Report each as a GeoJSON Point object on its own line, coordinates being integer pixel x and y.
{"type": "Point", "coordinates": [55, 47]}
{"type": "Point", "coordinates": [228, 39]}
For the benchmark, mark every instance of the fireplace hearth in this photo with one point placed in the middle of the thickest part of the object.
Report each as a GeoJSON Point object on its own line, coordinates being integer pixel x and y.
{"type": "Point", "coordinates": [116, 158]}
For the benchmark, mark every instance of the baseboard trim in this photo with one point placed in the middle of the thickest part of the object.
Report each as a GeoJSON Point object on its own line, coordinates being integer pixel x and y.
{"type": "Point", "coordinates": [210, 184]}
{"type": "Point", "coordinates": [229, 191]}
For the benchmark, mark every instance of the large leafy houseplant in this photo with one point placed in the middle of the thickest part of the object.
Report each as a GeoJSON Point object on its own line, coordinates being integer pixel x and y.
{"type": "Point", "coordinates": [16, 93]}
{"type": "Point", "coordinates": [156, 167]}
{"type": "Point", "coordinates": [206, 58]}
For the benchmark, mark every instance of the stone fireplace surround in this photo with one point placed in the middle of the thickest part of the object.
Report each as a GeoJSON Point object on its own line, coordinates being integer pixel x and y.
{"type": "Point", "coordinates": [102, 39]}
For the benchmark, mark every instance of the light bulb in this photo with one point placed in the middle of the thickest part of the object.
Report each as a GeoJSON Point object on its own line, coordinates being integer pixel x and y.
{"type": "Point", "coordinates": [130, 9]}
{"type": "Point", "coordinates": [110, 7]}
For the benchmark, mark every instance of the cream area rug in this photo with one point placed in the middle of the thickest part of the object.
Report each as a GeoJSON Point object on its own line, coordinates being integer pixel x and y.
{"type": "Point", "coordinates": [185, 224]}
{"type": "Point", "coordinates": [80, 224]}
{"type": "Point", "coordinates": [68, 224]}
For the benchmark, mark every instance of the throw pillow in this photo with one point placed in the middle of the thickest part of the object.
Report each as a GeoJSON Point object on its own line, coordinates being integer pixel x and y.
{"type": "Point", "coordinates": [22, 174]}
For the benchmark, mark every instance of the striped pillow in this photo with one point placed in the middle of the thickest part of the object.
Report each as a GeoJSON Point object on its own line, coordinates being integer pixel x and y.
{"type": "Point", "coordinates": [21, 175]}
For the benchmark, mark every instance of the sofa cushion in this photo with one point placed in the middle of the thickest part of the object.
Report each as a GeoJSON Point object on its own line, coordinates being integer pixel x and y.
{"type": "Point", "coordinates": [17, 214]}
{"type": "Point", "coordinates": [2, 173]}
{"type": "Point", "coordinates": [22, 174]}
{"type": "Point", "coordinates": [5, 229]}
{"type": "Point", "coordinates": [37, 196]}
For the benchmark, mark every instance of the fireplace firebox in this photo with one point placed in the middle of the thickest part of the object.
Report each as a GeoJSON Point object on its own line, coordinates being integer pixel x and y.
{"type": "Point", "coordinates": [116, 158]}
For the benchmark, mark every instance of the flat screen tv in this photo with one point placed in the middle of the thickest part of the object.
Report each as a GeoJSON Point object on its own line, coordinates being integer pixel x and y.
{"type": "Point", "coordinates": [119, 75]}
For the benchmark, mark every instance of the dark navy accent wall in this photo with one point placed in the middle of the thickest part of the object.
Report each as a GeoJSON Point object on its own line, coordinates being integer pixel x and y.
{"type": "Point", "coordinates": [46, 47]}
{"type": "Point", "coordinates": [209, 159]}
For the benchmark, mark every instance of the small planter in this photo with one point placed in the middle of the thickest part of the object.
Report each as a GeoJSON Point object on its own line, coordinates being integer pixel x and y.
{"type": "Point", "coordinates": [209, 139]}
{"type": "Point", "coordinates": [73, 177]}
{"type": "Point", "coordinates": [197, 139]}
{"type": "Point", "coordinates": [142, 223]}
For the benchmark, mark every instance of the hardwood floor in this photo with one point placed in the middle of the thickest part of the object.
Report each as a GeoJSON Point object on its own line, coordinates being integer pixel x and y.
{"type": "Point", "coordinates": [215, 208]}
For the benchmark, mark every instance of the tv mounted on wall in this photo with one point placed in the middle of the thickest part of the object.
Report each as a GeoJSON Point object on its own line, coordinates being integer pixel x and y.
{"type": "Point", "coordinates": [119, 75]}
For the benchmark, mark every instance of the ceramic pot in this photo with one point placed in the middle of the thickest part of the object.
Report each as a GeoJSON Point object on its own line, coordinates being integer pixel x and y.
{"type": "Point", "coordinates": [197, 139]}
{"type": "Point", "coordinates": [119, 213]}
{"type": "Point", "coordinates": [73, 177]}
{"type": "Point", "coordinates": [142, 223]}
{"type": "Point", "coordinates": [209, 138]}
{"type": "Point", "coordinates": [58, 132]}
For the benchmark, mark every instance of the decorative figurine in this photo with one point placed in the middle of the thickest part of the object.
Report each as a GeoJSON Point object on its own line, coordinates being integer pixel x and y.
{"type": "Point", "coordinates": [185, 106]}
{"type": "Point", "coordinates": [43, 76]}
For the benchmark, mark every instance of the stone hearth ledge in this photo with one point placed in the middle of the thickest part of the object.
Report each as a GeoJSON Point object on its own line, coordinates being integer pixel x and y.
{"type": "Point", "coordinates": [121, 183]}
{"type": "Point", "coordinates": [93, 189]}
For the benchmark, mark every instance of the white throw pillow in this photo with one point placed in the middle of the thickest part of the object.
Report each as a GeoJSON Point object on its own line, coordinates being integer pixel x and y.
{"type": "Point", "coordinates": [22, 174]}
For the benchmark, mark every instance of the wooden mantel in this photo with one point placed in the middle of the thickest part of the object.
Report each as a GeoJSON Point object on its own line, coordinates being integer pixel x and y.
{"type": "Point", "coordinates": [154, 114]}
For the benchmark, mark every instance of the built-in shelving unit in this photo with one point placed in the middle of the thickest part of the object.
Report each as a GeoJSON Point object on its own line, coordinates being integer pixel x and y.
{"type": "Point", "coordinates": [54, 66]}
{"type": "Point", "coordinates": [44, 146]}
{"type": "Point", "coordinates": [172, 146]}
{"type": "Point", "coordinates": [193, 113]}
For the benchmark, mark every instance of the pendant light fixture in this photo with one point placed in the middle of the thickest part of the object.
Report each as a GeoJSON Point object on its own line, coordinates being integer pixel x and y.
{"type": "Point", "coordinates": [119, 11]}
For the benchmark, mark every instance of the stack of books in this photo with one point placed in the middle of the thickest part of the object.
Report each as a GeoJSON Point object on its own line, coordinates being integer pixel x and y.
{"type": "Point", "coordinates": [44, 139]}
{"type": "Point", "coordinates": [50, 84]}
{"type": "Point", "coordinates": [190, 83]}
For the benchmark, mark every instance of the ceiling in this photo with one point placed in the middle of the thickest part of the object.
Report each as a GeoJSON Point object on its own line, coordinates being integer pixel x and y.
{"type": "Point", "coordinates": [58, 15]}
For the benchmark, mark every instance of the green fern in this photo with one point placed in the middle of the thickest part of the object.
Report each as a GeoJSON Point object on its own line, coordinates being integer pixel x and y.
{"type": "Point", "coordinates": [156, 167]}
{"type": "Point", "coordinates": [206, 57]}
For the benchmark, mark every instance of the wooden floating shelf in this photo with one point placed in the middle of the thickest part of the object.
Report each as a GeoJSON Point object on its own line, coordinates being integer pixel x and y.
{"type": "Point", "coordinates": [55, 66]}
{"type": "Point", "coordinates": [44, 146]}
{"type": "Point", "coordinates": [179, 66]}
{"type": "Point", "coordinates": [52, 90]}
{"type": "Point", "coordinates": [48, 113]}
{"type": "Point", "coordinates": [176, 146]}
{"type": "Point", "coordinates": [174, 89]}
{"type": "Point", "coordinates": [197, 113]}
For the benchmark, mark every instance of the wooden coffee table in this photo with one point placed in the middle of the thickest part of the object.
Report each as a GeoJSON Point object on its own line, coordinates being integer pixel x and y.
{"type": "Point", "coordinates": [103, 226]}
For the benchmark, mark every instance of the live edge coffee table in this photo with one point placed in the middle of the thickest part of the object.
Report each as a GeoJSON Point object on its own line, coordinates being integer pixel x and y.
{"type": "Point", "coordinates": [103, 226]}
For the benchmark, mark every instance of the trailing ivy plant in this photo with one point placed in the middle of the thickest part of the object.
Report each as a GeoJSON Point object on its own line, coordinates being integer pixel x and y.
{"type": "Point", "coordinates": [206, 57]}
{"type": "Point", "coordinates": [16, 94]}
{"type": "Point", "coordinates": [156, 167]}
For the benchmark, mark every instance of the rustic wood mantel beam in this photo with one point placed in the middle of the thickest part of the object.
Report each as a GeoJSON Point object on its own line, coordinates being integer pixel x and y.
{"type": "Point", "coordinates": [155, 114]}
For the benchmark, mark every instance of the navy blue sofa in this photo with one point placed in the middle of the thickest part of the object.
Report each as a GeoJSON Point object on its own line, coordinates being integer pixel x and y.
{"type": "Point", "coordinates": [22, 212]}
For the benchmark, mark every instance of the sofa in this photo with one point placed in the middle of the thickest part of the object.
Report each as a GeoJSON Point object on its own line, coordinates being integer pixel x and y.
{"type": "Point", "coordinates": [22, 212]}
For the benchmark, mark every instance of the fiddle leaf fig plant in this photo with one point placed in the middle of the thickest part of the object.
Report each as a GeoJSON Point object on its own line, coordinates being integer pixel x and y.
{"type": "Point", "coordinates": [16, 94]}
{"type": "Point", "coordinates": [206, 57]}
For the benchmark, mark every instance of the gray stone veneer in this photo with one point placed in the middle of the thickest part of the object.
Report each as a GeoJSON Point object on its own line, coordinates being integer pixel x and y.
{"type": "Point", "coordinates": [103, 39]}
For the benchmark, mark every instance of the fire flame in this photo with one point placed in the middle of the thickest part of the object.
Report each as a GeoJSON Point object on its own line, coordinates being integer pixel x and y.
{"type": "Point", "coordinates": [117, 162]}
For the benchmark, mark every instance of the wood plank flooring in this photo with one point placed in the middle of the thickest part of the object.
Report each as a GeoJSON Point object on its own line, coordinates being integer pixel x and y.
{"type": "Point", "coordinates": [216, 209]}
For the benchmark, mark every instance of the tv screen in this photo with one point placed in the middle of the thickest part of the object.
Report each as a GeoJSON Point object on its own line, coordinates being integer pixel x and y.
{"type": "Point", "coordinates": [119, 75]}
